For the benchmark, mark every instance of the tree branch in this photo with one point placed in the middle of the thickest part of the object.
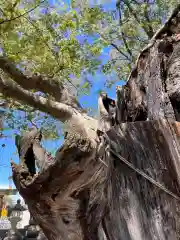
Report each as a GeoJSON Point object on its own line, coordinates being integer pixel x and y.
{"type": "Point", "coordinates": [123, 35]}
{"type": "Point", "coordinates": [58, 110]}
{"type": "Point", "coordinates": [39, 83]}
{"type": "Point", "coordinates": [77, 122]}
{"type": "Point", "coordinates": [121, 52]}
{"type": "Point", "coordinates": [149, 33]}
{"type": "Point", "coordinates": [149, 26]}
{"type": "Point", "coordinates": [21, 15]}
{"type": "Point", "coordinates": [115, 46]}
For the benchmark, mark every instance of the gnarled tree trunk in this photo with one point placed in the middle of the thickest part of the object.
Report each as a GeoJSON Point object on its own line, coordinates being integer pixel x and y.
{"type": "Point", "coordinates": [127, 185]}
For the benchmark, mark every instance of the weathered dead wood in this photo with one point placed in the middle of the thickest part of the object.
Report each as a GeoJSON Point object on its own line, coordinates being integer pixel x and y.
{"type": "Point", "coordinates": [79, 199]}
{"type": "Point", "coordinates": [53, 197]}
{"type": "Point", "coordinates": [152, 90]}
{"type": "Point", "coordinates": [140, 210]}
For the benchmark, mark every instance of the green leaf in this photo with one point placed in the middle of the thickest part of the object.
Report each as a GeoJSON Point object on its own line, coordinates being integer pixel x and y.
{"type": "Point", "coordinates": [64, 40]}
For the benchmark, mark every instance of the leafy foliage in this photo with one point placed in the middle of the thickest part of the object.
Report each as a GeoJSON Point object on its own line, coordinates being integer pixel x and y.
{"type": "Point", "coordinates": [45, 41]}
{"type": "Point", "coordinates": [67, 41]}
{"type": "Point", "coordinates": [129, 28]}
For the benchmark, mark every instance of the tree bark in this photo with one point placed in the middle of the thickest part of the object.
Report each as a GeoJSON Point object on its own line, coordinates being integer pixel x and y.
{"type": "Point", "coordinates": [124, 185]}
{"type": "Point", "coordinates": [140, 209]}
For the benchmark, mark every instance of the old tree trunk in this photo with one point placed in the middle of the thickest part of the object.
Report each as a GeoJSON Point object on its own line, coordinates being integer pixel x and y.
{"type": "Point", "coordinates": [125, 184]}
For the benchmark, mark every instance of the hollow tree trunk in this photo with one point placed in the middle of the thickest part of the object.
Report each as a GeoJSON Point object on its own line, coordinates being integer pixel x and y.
{"type": "Point", "coordinates": [130, 189]}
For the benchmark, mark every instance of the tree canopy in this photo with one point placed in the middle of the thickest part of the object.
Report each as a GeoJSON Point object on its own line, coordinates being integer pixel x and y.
{"type": "Point", "coordinates": [64, 42]}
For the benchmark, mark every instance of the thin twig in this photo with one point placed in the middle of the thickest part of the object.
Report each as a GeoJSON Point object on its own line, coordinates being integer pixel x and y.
{"type": "Point", "coordinates": [137, 18]}
{"type": "Point", "coordinates": [123, 35]}
{"type": "Point", "coordinates": [25, 13]}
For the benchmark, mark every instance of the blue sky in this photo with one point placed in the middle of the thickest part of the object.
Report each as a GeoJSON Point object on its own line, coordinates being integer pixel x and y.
{"type": "Point", "coordinates": [8, 152]}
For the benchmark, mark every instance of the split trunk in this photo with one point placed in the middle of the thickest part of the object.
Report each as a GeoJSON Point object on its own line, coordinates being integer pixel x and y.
{"type": "Point", "coordinates": [130, 188]}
